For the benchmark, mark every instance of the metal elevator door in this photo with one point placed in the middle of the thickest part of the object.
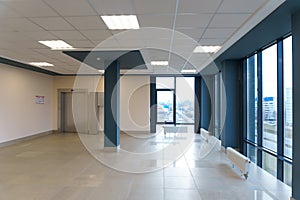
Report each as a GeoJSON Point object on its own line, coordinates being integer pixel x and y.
{"type": "Point", "coordinates": [68, 124]}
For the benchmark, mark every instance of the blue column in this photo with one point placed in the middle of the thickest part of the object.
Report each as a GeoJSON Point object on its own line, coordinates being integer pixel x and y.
{"type": "Point", "coordinates": [205, 105]}
{"type": "Point", "coordinates": [153, 105]}
{"type": "Point", "coordinates": [112, 105]}
{"type": "Point", "coordinates": [296, 106]}
{"type": "Point", "coordinates": [232, 130]}
{"type": "Point", "coordinates": [197, 104]}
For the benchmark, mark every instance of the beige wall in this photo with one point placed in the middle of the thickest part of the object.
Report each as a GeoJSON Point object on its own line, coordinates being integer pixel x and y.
{"type": "Point", "coordinates": [134, 100]}
{"type": "Point", "coordinates": [135, 103]}
{"type": "Point", "coordinates": [20, 116]}
{"type": "Point", "coordinates": [89, 83]}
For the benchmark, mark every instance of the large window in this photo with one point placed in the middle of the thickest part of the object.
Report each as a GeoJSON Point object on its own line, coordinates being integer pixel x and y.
{"type": "Point", "coordinates": [268, 109]}
{"type": "Point", "coordinates": [165, 106]}
{"type": "Point", "coordinates": [288, 96]}
{"type": "Point", "coordinates": [175, 100]}
{"type": "Point", "coordinates": [185, 96]}
{"type": "Point", "coordinates": [269, 93]}
{"type": "Point", "coordinates": [252, 98]}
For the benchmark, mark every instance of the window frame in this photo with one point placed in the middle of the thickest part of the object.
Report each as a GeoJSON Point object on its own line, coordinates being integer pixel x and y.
{"type": "Point", "coordinates": [258, 146]}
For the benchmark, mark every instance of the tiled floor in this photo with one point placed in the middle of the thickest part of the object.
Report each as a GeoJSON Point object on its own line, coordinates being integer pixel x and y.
{"type": "Point", "coordinates": [58, 167]}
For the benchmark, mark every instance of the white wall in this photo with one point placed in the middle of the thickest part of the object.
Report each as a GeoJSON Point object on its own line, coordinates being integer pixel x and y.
{"type": "Point", "coordinates": [88, 83]}
{"type": "Point", "coordinates": [135, 103]}
{"type": "Point", "coordinates": [20, 116]}
{"type": "Point", "coordinates": [134, 99]}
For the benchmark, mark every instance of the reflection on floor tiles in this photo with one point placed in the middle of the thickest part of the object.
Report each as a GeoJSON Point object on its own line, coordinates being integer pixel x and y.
{"type": "Point", "coordinates": [59, 167]}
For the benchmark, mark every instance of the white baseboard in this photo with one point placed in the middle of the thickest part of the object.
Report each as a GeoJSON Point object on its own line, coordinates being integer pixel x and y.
{"type": "Point", "coordinates": [112, 149]}
{"type": "Point", "coordinates": [15, 141]}
{"type": "Point", "coordinates": [223, 149]}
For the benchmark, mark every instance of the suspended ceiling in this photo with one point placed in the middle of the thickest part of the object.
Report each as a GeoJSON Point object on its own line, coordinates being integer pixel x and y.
{"type": "Point", "coordinates": [177, 26]}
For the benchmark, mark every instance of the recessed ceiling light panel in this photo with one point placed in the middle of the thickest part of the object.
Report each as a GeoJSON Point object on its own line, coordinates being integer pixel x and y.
{"type": "Point", "coordinates": [56, 44]}
{"type": "Point", "coordinates": [206, 49]}
{"type": "Point", "coordinates": [159, 63]}
{"type": "Point", "coordinates": [101, 71]}
{"type": "Point", "coordinates": [188, 71]}
{"type": "Point", "coordinates": [41, 64]}
{"type": "Point", "coordinates": [121, 22]}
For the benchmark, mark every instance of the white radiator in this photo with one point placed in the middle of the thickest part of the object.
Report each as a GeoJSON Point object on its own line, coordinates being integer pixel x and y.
{"type": "Point", "coordinates": [238, 160]}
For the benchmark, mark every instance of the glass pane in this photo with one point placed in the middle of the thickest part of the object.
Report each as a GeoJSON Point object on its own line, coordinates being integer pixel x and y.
{"type": "Point", "coordinates": [252, 153]}
{"type": "Point", "coordinates": [164, 82]}
{"type": "Point", "coordinates": [288, 96]}
{"type": "Point", "coordinates": [269, 163]}
{"type": "Point", "coordinates": [185, 94]}
{"type": "Point", "coordinates": [287, 174]}
{"type": "Point", "coordinates": [269, 91]}
{"type": "Point", "coordinates": [164, 106]}
{"type": "Point", "coordinates": [217, 108]}
{"type": "Point", "coordinates": [252, 98]}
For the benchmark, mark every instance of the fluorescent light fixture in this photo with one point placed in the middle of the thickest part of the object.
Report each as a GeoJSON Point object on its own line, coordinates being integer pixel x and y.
{"type": "Point", "coordinates": [101, 71]}
{"type": "Point", "coordinates": [41, 64]}
{"type": "Point", "coordinates": [188, 71]}
{"type": "Point", "coordinates": [159, 63]}
{"type": "Point", "coordinates": [56, 44]}
{"type": "Point", "coordinates": [120, 22]}
{"type": "Point", "coordinates": [206, 49]}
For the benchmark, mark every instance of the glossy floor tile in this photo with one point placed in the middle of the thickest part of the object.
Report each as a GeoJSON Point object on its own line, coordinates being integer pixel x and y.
{"type": "Point", "coordinates": [59, 167]}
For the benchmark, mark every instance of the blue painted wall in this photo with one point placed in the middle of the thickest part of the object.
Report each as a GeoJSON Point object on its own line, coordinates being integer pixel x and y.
{"type": "Point", "coordinates": [296, 106]}
{"type": "Point", "coordinates": [205, 108]}
{"type": "Point", "coordinates": [232, 77]}
{"type": "Point", "coordinates": [112, 105]}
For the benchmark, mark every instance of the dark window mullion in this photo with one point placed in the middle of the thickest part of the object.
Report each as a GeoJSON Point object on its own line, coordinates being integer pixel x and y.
{"type": "Point", "coordinates": [174, 102]}
{"type": "Point", "coordinates": [245, 105]}
{"type": "Point", "coordinates": [280, 110]}
{"type": "Point", "coordinates": [259, 108]}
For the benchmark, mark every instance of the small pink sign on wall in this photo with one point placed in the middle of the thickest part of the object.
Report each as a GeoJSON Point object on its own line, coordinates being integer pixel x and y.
{"type": "Point", "coordinates": [39, 99]}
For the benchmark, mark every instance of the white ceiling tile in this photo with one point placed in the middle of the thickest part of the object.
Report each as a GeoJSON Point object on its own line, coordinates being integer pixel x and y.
{"type": "Point", "coordinates": [12, 37]}
{"type": "Point", "coordinates": [159, 21]}
{"type": "Point", "coordinates": [5, 26]}
{"type": "Point", "coordinates": [110, 43]}
{"type": "Point", "coordinates": [154, 6]}
{"type": "Point", "coordinates": [137, 44]}
{"type": "Point", "coordinates": [157, 54]}
{"type": "Point", "coordinates": [193, 20]}
{"type": "Point", "coordinates": [240, 6]}
{"type": "Point", "coordinates": [45, 51]}
{"type": "Point", "coordinates": [218, 32]}
{"type": "Point", "coordinates": [39, 35]}
{"type": "Point", "coordinates": [53, 23]}
{"type": "Point", "coordinates": [198, 6]}
{"type": "Point", "coordinates": [192, 32]}
{"type": "Point", "coordinates": [29, 44]}
{"type": "Point", "coordinates": [72, 7]}
{"type": "Point", "coordinates": [228, 20]}
{"type": "Point", "coordinates": [5, 53]}
{"type": "Point", "coordinates": [31, 8]}
{"type": "Point", "coordinates": [153, 33]}
{"type": "Point", "coordinates": [113, 7]}
{"type": "Point", "coordinates": [87, 22]}
{"type": "Point", "coordinates": [163, 44]}
{"type": "Point", "coordinates": [68, 35]}
{"type": "Point", "coordinates": [81, 43]}
{"type": "Point", "coordinates": [5, 12]}
{"type": "Point", "coordinates": [22, 24]}
{"type": "Point", "coordinates": [208, 41]}
{"type": "Point", "coordinates": [96, 34]}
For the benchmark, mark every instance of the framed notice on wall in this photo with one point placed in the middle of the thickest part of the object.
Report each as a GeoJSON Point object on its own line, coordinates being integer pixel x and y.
{"type": "Point", "coordinates": [39, 99]}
